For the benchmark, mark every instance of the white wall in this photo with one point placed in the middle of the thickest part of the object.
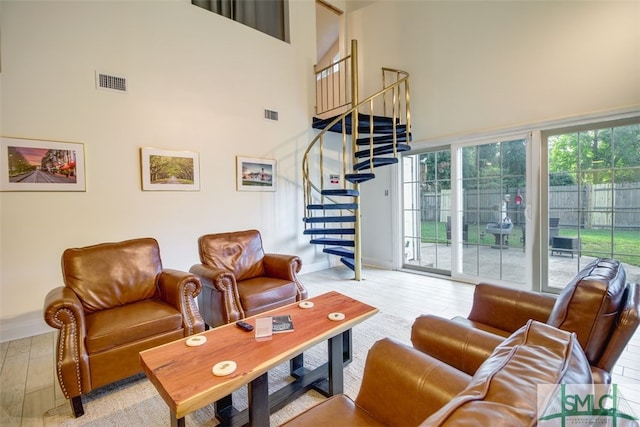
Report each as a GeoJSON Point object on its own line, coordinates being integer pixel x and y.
{"type": "Point", "coordinates": [197, 82]}
{"type": "Point", "coordinates": [482, 66]}
{"type": "Point", "coordinates": [477, 66]}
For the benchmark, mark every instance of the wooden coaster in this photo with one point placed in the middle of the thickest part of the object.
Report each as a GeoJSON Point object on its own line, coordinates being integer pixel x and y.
{"type": "Point", "coordinates": [196, 340]}
{"type": "Point", "coordinates": [336, 317]}
{"type": "Point", "coordinates": [224, 368]}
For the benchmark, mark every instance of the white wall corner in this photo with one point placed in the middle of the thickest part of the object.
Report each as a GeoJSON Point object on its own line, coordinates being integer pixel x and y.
{"type": "Point", "coordinates": [22, 326]}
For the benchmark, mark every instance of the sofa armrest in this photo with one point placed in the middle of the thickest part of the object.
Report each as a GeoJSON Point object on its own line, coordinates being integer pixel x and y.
{"type": "Point", "coordinates": [285, 267]}
{"type": "Point", "coordinates": [460, 346]}
{"type": "Point", "coordinates": [625, 326]}
{"type": "Point", "coordinates": [402, 386]}
{"type": "Point", "coordinates": [179, 288]}
{"type": "Point", "coordinates": [508, 309]}
{"type": "Point", "coordinates": [219, 301]}
{"type": "Point", "coordinates": [63, 310]}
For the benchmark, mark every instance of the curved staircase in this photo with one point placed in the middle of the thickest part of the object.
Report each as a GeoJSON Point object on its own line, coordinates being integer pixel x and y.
{"type": "Point", "coordinates": [347, 155]}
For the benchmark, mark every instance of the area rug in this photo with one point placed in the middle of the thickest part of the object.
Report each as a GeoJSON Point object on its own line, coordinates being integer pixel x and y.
{"type": "Point", "coordinates": [135, 402]}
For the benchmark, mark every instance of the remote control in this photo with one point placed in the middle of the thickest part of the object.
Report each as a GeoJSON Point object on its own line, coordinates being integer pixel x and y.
{"type": "Point", "coordinates": [244, 326]}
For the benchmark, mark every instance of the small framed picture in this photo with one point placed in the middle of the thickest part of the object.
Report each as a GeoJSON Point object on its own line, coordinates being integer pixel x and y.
{"type": "Point", "coordinates": [41, 165]}
{"type": "Point", "coordinates": [255, 174]}
{"type": "Point", "coordinates": [168, 170]}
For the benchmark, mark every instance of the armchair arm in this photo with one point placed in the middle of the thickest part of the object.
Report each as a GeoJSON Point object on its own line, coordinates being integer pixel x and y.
{"type": "Point", "coordinates": [219, 301]}
{"type": "Point", "coordinates": [459, 345]}
{"type": "Point", "coordinates": [508, 309]}
{"type": "Point", "coordinates": [402, 386]}
{"type": "Point", "coordinates": [63, 310]}
{"type": "Point", "coordinates": [179, 288]}
{"type": "Point", "coordinates": [285, 267]}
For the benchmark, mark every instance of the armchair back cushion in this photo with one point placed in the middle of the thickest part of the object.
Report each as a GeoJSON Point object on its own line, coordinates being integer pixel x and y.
{"type": "Point", "coordinates": [590, 303]}
{"type": "Point", "coordinates": [503, 391]}
{"type": "Point", "coordinates": [91, 274]}
{"type": "Point", "coordinates": [239, 252]}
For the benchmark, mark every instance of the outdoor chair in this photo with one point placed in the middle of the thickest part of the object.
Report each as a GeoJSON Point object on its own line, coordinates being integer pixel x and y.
{"type": "Point", "coordinates": [240, 280]}
{"type": "Point", "coordinates": [117, 300]}
{"type": "Point", "coordinates": [465, 230]}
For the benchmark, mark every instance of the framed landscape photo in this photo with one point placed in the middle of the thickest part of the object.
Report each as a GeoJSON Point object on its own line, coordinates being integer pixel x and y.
{"type": "Point", "coordinates": [168, 170]}
{"type": "Point", "coordinates": [41, 165]}
{"type": "Point", "coordinates": [255, 174]}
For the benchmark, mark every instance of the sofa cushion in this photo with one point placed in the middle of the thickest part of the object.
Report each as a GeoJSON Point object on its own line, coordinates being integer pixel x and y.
{"type": "Point", "coordinates": [129, 323]}
{"type": "Point", "coordinates": [589, 304]}
{"type": "Point", "coordinates": [504, 391]}
{"type": "Point", "coordinates": [113, 274]}
{"type": "Point", "coordinates": [261, 294]}
{"type": "Point", "coordinates": [238, 252]}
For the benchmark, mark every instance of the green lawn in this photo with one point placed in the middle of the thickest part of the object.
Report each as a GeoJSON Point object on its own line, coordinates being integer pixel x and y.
{"type": "Point", "coordinates": [594, 242]}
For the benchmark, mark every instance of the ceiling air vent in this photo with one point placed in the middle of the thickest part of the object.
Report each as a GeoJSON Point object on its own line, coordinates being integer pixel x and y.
{"type": "Point", "coordinates": [270, 115]}
{"type": "Point", "coordinates": [111, 82]}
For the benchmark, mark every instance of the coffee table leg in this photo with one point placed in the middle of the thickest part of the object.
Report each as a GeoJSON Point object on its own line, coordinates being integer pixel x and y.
{"type": "Point", "coordinates": [336, 364]}
{"type": "Point", "coordinates": [296, 363]}
{"type": "Point", "coordinates": [259, 407]}
{"type": "Point", "coordinates": [176, 422]}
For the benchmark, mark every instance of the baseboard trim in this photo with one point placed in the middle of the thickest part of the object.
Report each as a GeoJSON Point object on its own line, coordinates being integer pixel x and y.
{"type": "Point", "coordinates": [23, 326]}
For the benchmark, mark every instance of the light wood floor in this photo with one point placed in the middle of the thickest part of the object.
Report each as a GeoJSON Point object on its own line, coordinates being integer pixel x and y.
{"type": "Point", "coordinates": [29, 388]}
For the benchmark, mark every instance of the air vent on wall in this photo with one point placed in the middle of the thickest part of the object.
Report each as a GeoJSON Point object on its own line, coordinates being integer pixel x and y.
{"type": "Point", "coordinates": [111, 82]}
{"type": "Point", "coordinates": [270, 115]}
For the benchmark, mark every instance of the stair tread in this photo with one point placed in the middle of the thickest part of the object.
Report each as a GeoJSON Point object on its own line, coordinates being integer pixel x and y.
{"type": "Point", "coordinates": [384, 149]}
{"type": "Point", "coordinates": [340, 192]}
{"type": "Point", "coordinates": [356, 178]}
{"type": "Point", "coordinates": [338, 231]}
{"type": "Point", "coordinates": [333, 206]}
{"type": "Point", "coordinates": [383, 139]}
{"type": "Point", "coordinates": [321, 219]}
{"type": "Point", "coordinates": [333, 242]}
{"type": "Point", "coordinates": [381, 124]}
{"type": "Point", "coordinates": [340, 251]}
{"type": "Point", "coordinates": [379, 140]}
{"type": "Point", "coordinates": [377, 161]}
{"type": "Point", "coordinates": [349, 263]}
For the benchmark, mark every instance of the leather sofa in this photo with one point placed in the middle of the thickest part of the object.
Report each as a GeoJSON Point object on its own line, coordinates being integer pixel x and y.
{"type": "Point", "coordinates": [402, 386]}
{"type": "Point", "coordinates": [598, 305]}
{"type": "Point", "coordinates": [240, 280]}
{"type": "Point", "coordinates": [117, 300]}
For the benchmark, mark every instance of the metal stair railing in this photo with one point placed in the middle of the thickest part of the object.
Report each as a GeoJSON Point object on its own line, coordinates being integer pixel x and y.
{"type": "Point", "coordinates": [398, 92]}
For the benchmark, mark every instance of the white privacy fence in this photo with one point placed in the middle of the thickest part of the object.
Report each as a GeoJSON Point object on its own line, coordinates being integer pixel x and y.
{"type": "Point", "coordinates": [587, 206]}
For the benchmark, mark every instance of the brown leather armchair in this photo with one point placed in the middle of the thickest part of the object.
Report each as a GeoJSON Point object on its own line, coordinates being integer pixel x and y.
{"type": "Point", "coordinates": [403, 387]}
{"type": "Point", "coordinates": [598, 305]}
{"type": "Point", "coordinates": [116, 301]}
{"type": "Point", "coordinates": [240, 280]}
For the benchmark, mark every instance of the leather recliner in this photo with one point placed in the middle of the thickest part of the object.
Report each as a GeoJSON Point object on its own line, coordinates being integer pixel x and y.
{"type": "Point", "coordinates": [404, 387]}
{"type": "Point", "coordinates": [117, 300]}
{"type": "Point", "coordinates": [240, 280]}
{"type": "Point", "coordinates": [598, 305]}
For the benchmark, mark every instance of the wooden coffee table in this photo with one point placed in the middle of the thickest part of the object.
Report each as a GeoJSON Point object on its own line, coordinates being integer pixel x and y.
{"type": "Point", "coordinates": [183, 375]}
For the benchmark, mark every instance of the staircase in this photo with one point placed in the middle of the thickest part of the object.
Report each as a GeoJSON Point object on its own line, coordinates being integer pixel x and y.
{"type": "Point", "coordinates": [344, 154]}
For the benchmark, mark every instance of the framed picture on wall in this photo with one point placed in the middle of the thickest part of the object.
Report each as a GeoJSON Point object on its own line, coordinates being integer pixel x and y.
{"type": "Point", "coordinates": [255, 174]}
{"type": "Point", "coordinates": [41, 165]}
{"type": "Point", "coordinates": [168, 170]}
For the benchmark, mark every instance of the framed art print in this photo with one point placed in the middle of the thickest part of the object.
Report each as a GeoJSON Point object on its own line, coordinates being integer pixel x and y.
{"type": "Point", "coordinates": [41, 165]}
{"type": "Point", "coordinates": [168, 170]}
{"type": "Point", "coordinates": [255, 174]}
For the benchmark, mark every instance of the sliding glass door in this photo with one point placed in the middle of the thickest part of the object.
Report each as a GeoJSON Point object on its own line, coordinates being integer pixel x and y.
{"type": "Point", "coordinates": [427, 211]}
{"type": "Point", "coordinates": [492, 210]}
{"type": "Point", "coordinates": [593, 199]}
{"type": "Point", "coordinates": [474, 225]}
